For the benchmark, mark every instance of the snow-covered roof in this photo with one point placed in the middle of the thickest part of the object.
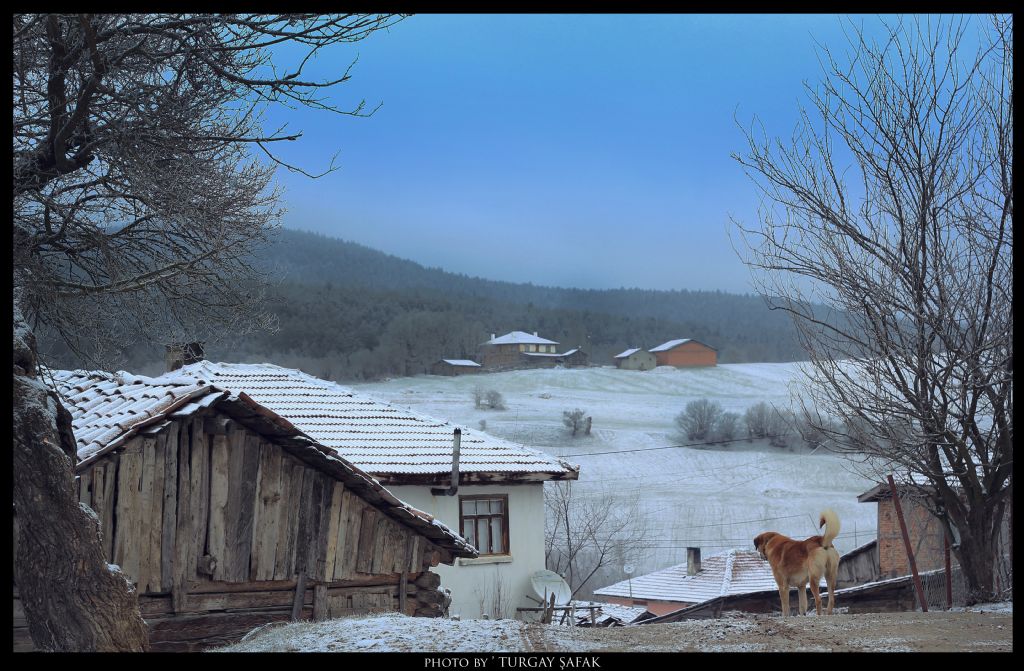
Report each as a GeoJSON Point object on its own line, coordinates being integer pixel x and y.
{"type": "Point", "coordinates": [628, 352]}
{"type": "Point", "coordinates": [552, 354]}
{"type": "Point", "coordinates": [731, 572]}
{"type": "Point", "coordinates": [378, 437]}
{"type": "Point", "coordinates": [609, 611]}
{"type": "Point", "coordinates": [519, 338]}
{"type": "Point", "coordinates": [461, 362]}
{"type": "Point", "coordinates": [107, 409]}
{"type": "Point", "coordinates": [668, 345]}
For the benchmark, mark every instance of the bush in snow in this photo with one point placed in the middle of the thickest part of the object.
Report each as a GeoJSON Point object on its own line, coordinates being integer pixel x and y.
{"type": "Point", "coordinates": [699, 418]}
{"type": "Point", "coordinates": [727, 427]}
{"type": "Point", "coordinates": [576, 420]}
{"type": "Point", "coordinates": [494, 400]}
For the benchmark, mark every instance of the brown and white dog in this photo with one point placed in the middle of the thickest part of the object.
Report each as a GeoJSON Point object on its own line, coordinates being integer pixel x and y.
{"type": "Point", "coordinates": [794, 563]}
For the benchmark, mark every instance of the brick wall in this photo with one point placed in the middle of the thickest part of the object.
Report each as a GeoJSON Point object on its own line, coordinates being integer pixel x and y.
{"type": "Point", "coordinates": [926, 539]}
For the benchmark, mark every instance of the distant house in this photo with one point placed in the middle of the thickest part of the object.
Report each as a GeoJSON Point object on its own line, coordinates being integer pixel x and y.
{"type": "Point", "coordinates": [225, 516]}
{"type": "Point", "coordinates": [671, 589]}
{"type": "Point", "coordinates": [455, 367]}
{"type": "Point", "coordinates": [685, 353]}
{"type": "Point", "coordinates": [497, 503]}
{"type": "Point", "coordinates": [635, 359]}
{"type": "Point", "coordinates": [518, 349]}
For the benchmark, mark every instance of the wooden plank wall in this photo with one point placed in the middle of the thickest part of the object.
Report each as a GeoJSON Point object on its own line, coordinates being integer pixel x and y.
{"type": "Point", "coordinates": [186, 506]}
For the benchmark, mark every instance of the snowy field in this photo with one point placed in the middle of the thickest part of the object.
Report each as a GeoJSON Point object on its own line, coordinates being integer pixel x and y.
{"type": "Point", "coordinates": [715, 499]}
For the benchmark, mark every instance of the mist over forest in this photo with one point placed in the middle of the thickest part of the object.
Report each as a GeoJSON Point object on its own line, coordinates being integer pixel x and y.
{"type": "Point", "coordinates": [348, 312]}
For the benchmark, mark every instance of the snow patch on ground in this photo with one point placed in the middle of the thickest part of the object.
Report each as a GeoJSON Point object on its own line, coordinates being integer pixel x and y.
{"type": "Point", "coordinates": [390, 632]}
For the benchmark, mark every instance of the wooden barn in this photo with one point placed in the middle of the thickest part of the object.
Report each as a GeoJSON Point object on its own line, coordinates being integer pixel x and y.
{"type": "Point", "coordinates": [635, 359]}
{"type": "Point", "coordinates": [685, 353]}
{"type": "Point", "coordinates": [455, 367]}
{"type": "Point", "coordinates": [226, 517]}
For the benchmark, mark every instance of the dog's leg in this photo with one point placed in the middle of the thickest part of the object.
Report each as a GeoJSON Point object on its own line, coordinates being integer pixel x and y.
{"type": "Point", "coordinates": [830, 578]}
{"type": "Point", "coordinates": [784, 596]}
{"type": "Point", "coordinates": [801, 592]}
{"type": "Point", "coordinates": [816, 591]}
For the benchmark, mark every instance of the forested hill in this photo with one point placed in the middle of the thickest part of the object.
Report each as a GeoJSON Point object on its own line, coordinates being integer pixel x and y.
{"type": "Point", "coordinates": [372, 297]}
{"type": "Point", "coordinates": [350, 312]}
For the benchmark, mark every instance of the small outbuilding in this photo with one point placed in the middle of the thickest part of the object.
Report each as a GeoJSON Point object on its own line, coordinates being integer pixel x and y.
{"type": "Point", "coordinates": [635, 359]}
{"type": "Point", "coordinates": [685, 353]}
{"type": "Point", "coordinates": [225, 516]}
{"type": "Point", "coordinates": [452, 367]}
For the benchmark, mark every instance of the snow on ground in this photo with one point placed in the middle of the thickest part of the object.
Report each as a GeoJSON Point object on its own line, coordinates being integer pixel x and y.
{"type": "Point", "coordinates": [987, 627]}
{"type": "Point", "coordinates": [715, 499]}
{"type": "Point", "coordinates": [390, 632]}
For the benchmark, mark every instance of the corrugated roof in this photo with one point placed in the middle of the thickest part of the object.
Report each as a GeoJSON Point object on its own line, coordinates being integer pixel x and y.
{"type": "Point", "coordinates": [461, 362]}
{"type": "Point", "coordinates": [109, 408]}
{"type": "Point", "coordinates": [628, 352]}
{"type": "Point", "coordinates": [731, 572]}
{"type": "Point", "coordinates": [519, 338]}
{"type": "Point", "coordinates": [378, 437]}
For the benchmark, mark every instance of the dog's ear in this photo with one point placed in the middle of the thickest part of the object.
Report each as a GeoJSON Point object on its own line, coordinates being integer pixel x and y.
{"type": "Point", "coordinates": [759, 541]}
{"type": "Point", "coordinates": [821, 522]}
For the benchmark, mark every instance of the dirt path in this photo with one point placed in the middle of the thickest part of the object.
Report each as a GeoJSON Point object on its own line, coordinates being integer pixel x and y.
{"type": "Point", "coordinates": [873, 632]}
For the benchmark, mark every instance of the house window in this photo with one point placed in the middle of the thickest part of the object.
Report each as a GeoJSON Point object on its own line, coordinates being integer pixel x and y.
{"type": "Point", "coordinates": [484, 522]}
{"type": "Point", "coordinates": [533, 348]}
{"type": "Point", "coordinates": [522, 348]}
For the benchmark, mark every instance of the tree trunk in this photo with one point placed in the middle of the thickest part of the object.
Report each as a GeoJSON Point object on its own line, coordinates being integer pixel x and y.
{"type": "Point", "coordinates": [977, 557]}
{"type": "Point", "coordinates": [73, 600]}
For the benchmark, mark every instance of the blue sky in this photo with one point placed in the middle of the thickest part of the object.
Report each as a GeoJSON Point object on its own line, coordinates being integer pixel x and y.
{"type": "Point", "coordinates": [568, 150]}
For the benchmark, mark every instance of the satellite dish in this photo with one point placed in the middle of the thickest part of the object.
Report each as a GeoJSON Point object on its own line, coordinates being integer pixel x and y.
{"type": "Point", "coordinates": [546, 583]}
{"type": "Point", "coordinates": [628, 569]}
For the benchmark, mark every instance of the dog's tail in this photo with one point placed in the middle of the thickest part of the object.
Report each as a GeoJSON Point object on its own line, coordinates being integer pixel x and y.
{"type": "Point", "coordinates": [830, 521]}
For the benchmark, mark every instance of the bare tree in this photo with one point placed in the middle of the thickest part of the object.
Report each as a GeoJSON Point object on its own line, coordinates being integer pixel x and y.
{"type": "Point", "coordinates": [697, 421]}
{"type": "Point", "coordinates": [892, 206]}
{"type": "Point", "coordinates": [584, 533]}
{"type": "Point", "coordinates": [141, 185]}
{"type": "Point", "coordinates": [576, 420]}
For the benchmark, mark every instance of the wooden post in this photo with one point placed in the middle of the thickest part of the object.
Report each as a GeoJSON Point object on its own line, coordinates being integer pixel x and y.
{"type": "Point", "coordinates": [300, 596]}
{"type": "Point", "coordinates": [402, 584]}
{"type": "Point", "coordinates": [909, 548]}
{"type": "Point", "coordinates": [949, 574]}
{"type": "Point", "coordinates": [549, 611]}
{"type": "Point", "coordinates": [319, 602]}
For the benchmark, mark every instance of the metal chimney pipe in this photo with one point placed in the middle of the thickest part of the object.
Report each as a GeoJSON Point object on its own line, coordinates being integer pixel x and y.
{"type": "Point", "coordinates": [440, 491]}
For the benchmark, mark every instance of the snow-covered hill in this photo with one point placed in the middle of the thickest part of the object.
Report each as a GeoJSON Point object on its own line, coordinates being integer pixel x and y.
{"type": "Point", "coordinates": [715, 499]}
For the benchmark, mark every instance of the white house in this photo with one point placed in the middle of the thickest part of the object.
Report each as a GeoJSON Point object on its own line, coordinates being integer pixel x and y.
{"type": "Point", "coordinates": [498, 504]}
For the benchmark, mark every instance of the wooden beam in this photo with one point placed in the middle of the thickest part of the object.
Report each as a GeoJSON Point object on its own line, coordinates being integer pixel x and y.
{"type": "Point", "coordinates": [168, 533]}
{"type": "Point", "coordinates": [319, 602]}
{"type": "Point", "coordinates": [300, 595]}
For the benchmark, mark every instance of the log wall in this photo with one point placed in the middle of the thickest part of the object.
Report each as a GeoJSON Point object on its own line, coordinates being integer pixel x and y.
{"type": "Point", "coordinates": [219, 528]}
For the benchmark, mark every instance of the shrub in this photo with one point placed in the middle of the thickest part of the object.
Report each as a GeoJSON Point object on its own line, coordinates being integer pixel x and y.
{"type": "Point", "coordinates": [727, 427]}
{"type": "Point", "coordinates": [698, 420]}
{"type": "Point", "coordinates": [495, 401]}
{"type": "Point", "coordinates": [576, 419]}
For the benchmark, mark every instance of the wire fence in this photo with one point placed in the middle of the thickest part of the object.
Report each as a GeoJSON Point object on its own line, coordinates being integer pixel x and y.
{"type": "Point", "coordinates": [934, 582]}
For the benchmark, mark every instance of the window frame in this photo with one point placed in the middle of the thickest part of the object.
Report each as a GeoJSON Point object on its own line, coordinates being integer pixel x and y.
{"type": "Point", "coordinates": [506, 547]}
